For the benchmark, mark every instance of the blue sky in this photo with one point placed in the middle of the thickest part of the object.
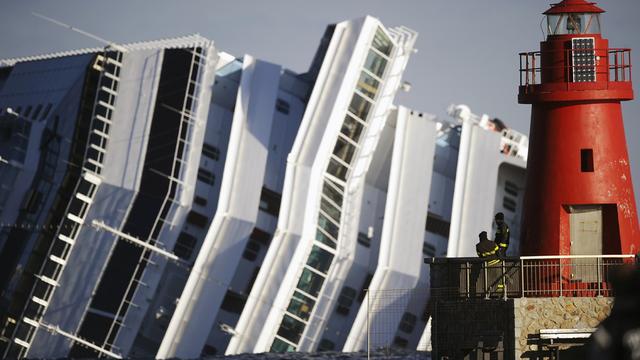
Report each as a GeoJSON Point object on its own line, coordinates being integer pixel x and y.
{"type": "Point", "coordinates": [468, 49]}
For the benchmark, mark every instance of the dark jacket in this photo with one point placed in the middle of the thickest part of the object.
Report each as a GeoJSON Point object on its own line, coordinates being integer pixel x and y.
{"type": "Point", "coordinates": [502, 236]}
{"type": "Point", "coordinates": [487, 250]}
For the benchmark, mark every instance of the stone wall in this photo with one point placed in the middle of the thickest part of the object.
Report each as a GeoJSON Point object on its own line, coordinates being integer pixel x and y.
{"type": "Point", "coordinates": [533, 314]}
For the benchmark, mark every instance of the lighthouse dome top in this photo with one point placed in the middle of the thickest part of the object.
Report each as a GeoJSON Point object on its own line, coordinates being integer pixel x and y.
{"type": "Point", "coordinates": [573, 6]}
{"type": "Point", "coordinates": [573, 17]}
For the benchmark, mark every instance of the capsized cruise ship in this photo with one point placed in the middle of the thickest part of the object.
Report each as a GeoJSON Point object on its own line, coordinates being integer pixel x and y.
{"type": "Point", "coordinates": [168, 199]}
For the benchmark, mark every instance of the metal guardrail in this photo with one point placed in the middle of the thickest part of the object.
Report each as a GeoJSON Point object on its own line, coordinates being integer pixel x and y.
{"type": "Point", "coordinates": [617, 70]}
{"type": "Point", "coordinates": [530, 276]}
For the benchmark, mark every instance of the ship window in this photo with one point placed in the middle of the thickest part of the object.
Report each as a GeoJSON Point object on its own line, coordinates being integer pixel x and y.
{"type": "Point", "coordinates": [208, 350]}
{"type": "Point", "coordinates": [233, 302]}
{"type": "Point", "coordinates": [197, 219]}
{"type": "Point", "coordinates": [300, 305]}
{"type": "Point", "coordinates": [437, 225]}
{"type": "Point", "coordinates": [310, 282]}
{"type": "Point", "coordinates": [210, 151]}
{"type": "Point", "coordinates": [344, 150]}
{"type": "Point", "coordinates": [359, 107]}
{"type": "Point", "coordinates": [336, 169]}
{"type": "Point", "coordinates": [407, 323]}
{"type": "Point", "coordinates": [400, 342]}
{"type": "Point", "coordinates": [375, 63]}
{"type": "Point", "coordinates": [291, 329]}
{"type": "Point", "coordinates": [352, 128]}
{"type": "Point", "coordinates": [382, 43]}
{"type": "Point", "coordinates": [270, 201]}
{"type": "Point", "coordinates": [328, 226]}
{"type": "Point", "coordinates": [428, 250]}
{"type": "Point", "coordinates": [509, 204]}
{"type": "Point", "coordinates": [586, 160]}
{"type": "Point", "coordinates": [280, 346]}
{"type": "Point", "coordinates": [282, 106]}
{"type": "Point", "coordinates": [323, 238]}
{"type": "Point", "coordinates": [206, 176]}
{"type": "Point", "coordinates": [184, 246]}
{"type": "Point", "coordinates": [261, 236]}
{"type": "Point", "coordinates": [364, 240]}
{"type": "Point", "coordinates": [199, 200]}
{"type": "Point", "coordinates": [320, 259]}
{"type": "Point", "coordinates": [251, 250]}
{"type": "Point", "coordinates": [326, 345]}
{"type": "Point", "coordinates": [331, 193]}
{"type": "Point", "coordinates": [345, 300]}
{"type": "Point", "coordinates": [511, 188]}
{"type": "Point", "coordinates": [368, 85]}
{"type": "Point", "coordinates": [330, 209]}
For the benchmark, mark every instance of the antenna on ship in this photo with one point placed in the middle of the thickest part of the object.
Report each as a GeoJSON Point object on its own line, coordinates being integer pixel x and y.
{"type": "Point", "coordinates": [82, 32]}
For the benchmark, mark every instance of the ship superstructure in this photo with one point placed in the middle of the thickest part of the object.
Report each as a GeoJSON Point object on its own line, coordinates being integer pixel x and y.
{"type": "Point", "coordinates": [133, 132]}
{"type": "Point", "coordinates": [164, 197]}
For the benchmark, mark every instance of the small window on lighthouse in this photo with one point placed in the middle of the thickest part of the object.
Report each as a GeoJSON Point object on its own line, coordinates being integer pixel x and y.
{"type": "Point", "coordinates": [586, 160]}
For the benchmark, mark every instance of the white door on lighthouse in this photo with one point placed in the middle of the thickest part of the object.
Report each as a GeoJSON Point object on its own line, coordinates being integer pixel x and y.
{"type": "Point", "coordinates": [586, 239]}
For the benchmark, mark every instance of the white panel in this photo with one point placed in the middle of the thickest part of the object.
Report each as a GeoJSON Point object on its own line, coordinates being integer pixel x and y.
{"type": "Point", "coordinates": [22, 343]}
{"type": "Point", "coordinates": [57, 260]}
{"type": "Point", "coordinates": [66, 239]}
{"type": "Point", "coordinates": [75, 218]}
{"type": "Point", "coordinates": [235, 216]}
{"type": "Point", "coordinates": [30, 322]}
{"type": "Point", "coordinates": [39, 301]}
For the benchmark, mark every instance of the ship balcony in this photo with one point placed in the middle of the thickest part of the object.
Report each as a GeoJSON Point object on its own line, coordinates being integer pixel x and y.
{"type": "Point", "coordinates": [575, 74]}
{"type": "Point", "coordinates": [525, 277]}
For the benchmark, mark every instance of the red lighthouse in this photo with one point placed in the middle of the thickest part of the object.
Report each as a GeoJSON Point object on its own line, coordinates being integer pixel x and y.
{"type": "Point", "coordinates": [579, 198]}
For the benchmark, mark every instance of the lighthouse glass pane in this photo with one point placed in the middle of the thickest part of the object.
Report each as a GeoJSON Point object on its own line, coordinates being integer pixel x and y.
{"type": "Point", "coordinates": [554, 24]}
{"type": "Point", "coordinates": [591, 23]}
{"type": "Point", "coordinates": [573, 23]}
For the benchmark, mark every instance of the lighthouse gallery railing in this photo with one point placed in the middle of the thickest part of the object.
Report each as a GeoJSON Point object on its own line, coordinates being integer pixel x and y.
{"type": "Point", "coordinates": [618, 69]}
{"type": "Point", "coordinates": [527, 276]}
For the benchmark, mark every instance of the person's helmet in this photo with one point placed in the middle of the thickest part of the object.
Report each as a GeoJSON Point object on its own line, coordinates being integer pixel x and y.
{"type": "Point", "coordinates": [483, 236]}
{"type": "Point", "coordinates": [499, 216]}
